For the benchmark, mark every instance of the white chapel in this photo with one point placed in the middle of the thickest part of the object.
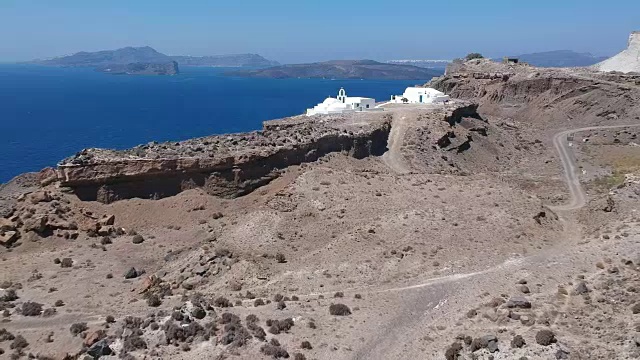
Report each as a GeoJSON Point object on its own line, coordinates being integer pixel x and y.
{"type": "Point", "coordinates": [342, 104]}
{"type": "Point", "coordinates": [420, 95]}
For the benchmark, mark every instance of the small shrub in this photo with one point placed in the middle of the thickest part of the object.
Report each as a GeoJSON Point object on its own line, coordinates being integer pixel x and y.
{"type": "Point", "coordinates": [545, 337]}
{"type": "Point", "coordinates": [311, 325]}
{"type": "Point", "coordinates": [251, 318]}
{"type": "Point", "coordinates": [452, 352]}
{"type": "Point", "coordinates": [472, 56]}
{"type": "Point", "coordinates": [339, 294]}
{"type": "Point", "coordinates": [133, 343]}
{"type": "Point", "coordinates": [281, 305]}
{"type": "Point", "coordinates": [358, 296]}
{"type": "Point", "coordinates": [295, 298]}
{"type": "Point", "coordinates": [106, 241]}
{"type": "Point", "coordinates": [280, 258]}
{"type": "Point", "coordinates": [306, 345]}
{"type": "Point", "coordinates": [250, 295]}
{"type": "Point", "coordinates": [9, 295]}
{"type": "Point", "coordinates": [58, 303]}
{"type": "Point", "coordinates": [110, 319]}
{"type": "Point", "coordinates": [222, 302]}
{"type": "Point", "coordinates": [274, 351]}
{"type": "Point", "coordinates": [49, 312]}
{"type": "Point", "coordinates": [299, 356]}
{"type": "Point", "coordinates": [56, 261]}
{"type": "Point", "coordinates": [258, 302]}
{"type": "Point", "coordinates": [31, 309]}
{"type": "Point", "coordinates": [153, 300]}
{"type": "Point", "coordinates": [339, 310]}
{"type": "Point", "coordinates": [66, 263]}
{"type": "Point", "coordinates": [19, 343]}
{"type": "Point", "coordinates": [78, 328]}
{"type": "Point", "coordinates": [229, 318]}
{"type": "Point", "coordinates": [278, 297]}
{"type": "Point", "coordinates": [198, 313]}
{"type": "Point", "coordinates": [274, 342]}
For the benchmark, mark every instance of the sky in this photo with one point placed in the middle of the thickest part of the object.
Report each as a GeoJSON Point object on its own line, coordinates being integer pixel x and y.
{"type": "Point", "coordinates": [297, 31]}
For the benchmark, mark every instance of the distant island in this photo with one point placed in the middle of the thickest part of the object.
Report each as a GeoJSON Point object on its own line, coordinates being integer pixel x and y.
{"type": "Point", "coordinates": [169, 68]}
{"type": "Point", "coordinates": [147, 61]}
{"type": "Point", "coordinates": [237, 60]}
{"type": "Point", "coordinates": [560, 58]}
{"type": "Point", "coordinates": [429, 64]}
{"type": "Point", "coordinates": [343, 69]}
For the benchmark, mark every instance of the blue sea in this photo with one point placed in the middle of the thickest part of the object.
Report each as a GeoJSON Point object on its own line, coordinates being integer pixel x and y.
{"type": "Point", "coordinates": [47, 114]}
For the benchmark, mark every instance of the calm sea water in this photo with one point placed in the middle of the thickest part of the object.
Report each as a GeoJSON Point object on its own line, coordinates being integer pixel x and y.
{"type": "Point", "coordinates": [47, 114]}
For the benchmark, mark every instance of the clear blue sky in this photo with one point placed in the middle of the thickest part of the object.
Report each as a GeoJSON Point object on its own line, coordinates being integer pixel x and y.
{"type": "Point", "coordinates": [312, 30]}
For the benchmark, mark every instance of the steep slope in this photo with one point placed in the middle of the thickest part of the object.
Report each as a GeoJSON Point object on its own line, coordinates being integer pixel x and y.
{"type": "Point", "coordinates": [626, 61]}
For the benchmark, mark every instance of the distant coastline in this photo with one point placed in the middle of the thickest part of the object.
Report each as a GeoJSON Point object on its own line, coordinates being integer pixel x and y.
{"type": "Point", "coordinates": [343, 69]}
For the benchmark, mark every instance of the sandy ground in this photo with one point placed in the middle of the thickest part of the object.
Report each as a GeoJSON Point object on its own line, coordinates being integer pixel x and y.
{"type": "Point", "coordinates": [423, 250]}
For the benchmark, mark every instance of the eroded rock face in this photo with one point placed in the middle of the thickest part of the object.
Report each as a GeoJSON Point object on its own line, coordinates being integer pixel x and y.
{"type": "Point", "coordinates": [226, 166]}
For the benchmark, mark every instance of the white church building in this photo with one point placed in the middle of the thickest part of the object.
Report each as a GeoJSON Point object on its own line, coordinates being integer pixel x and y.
{"type": "Point", "coordinates": [419, 95]}
{"type": "Point", "coordinates": [342, 104]}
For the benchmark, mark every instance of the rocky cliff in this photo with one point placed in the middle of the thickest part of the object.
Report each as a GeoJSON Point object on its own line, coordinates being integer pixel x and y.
{"type": "Point", "coordinates": [626, 61]}
{"type": "Point", "coordinates": [227, 165]}
{"type": "Point", "coordinates": [543, 96]}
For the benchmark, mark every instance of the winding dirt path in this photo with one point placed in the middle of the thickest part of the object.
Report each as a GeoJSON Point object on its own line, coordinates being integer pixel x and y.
{"type": "Point", "coordinates": [578, 196]}
{"type": "Point", "coordinates": [393, 158]}
{"type": "Point", "coordinates": [422, 300]}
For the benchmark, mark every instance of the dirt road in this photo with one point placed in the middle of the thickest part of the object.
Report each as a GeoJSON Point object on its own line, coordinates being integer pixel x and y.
{"type": "Point", "coordinates": [578, 196]}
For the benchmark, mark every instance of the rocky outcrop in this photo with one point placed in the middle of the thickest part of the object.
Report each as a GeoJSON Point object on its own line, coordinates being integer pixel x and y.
{"type": "Point", "coordinates": [226, 166]}
{"type": "Point", "coordinates": [540, 95]}
{"type": "Point", "coordinates": [626, 61]}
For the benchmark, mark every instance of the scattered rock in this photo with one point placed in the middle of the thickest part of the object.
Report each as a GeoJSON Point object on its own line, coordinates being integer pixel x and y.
{"type": "Point", "coordinates": [519, 302]}
{"type": "Point", "coordinates": [137, 239]}
{"type": "Point", "coordinates": [517, 342]}
{"type": "Point", "coordinates": [581, 289]}
{"type": "Point", "coordinates": [339, 310]}
{"type": "Point", "coordinates": [100, 348]}
{"type": "Point", "coordinates": [545, 337]}
{"type": "Point", "coordinates": [132, 273]}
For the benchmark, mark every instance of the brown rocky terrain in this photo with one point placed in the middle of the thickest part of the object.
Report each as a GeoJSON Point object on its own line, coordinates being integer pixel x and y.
{"type": "Point", "coordinates": [458, 231]}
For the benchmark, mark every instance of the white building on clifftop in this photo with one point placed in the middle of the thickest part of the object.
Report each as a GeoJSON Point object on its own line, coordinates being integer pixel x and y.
{"type": "Point", "coordinates": [419, 95]}
{"type": "Point", "coordinates": [342, 104]}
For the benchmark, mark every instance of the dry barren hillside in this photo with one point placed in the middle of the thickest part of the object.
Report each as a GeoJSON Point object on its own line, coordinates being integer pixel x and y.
{"type": "Point", "coordinates": [469, 230]}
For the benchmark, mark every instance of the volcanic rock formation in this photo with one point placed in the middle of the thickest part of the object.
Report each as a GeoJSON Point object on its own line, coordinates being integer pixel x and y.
{"type": "Point", "coordinates": [626, 61]}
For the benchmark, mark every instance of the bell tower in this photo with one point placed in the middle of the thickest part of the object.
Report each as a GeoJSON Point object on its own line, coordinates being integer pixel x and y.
{"type": "Point", "coordinates": [342, 95]}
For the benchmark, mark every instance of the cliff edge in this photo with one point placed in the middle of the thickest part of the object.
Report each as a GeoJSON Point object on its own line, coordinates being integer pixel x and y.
{"type": "Point", "coordinates": [626, 61]}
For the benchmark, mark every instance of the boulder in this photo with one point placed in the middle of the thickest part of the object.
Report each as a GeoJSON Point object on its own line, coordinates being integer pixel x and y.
{"type": "Point", "coordinates": [491, 341]}
{"type": "Point", "coordinates": [100, 348]}
{"type": "Point", "coordinates": [133, 273]}
{"type": "Point", "coordinates": [36, 224]}
{"type": "Point", "coordinates": [519, 302]}
{"type": "Point", "coordinates": [107, 220]}
{"type": "Point", "coordinates": [581, 288]}
{"type": "Point", "coordinates": [39, 196]}
{"type": "Point", "coordinates": [106, 230]}
{"type": "Point", "coordinates": [7, 225]}
{"type": "Point", "coordinates": [93, 337]}
{"type": "Point", "coordinates": [7, 238]}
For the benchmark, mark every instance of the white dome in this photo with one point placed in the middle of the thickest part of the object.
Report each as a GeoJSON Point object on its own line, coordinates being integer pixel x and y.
{"type": "Point", "coordinates": [330, 101]}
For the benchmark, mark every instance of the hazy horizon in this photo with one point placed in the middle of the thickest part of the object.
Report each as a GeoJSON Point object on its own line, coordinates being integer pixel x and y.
{"type": "Point", "coordinates": [293, 32]}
